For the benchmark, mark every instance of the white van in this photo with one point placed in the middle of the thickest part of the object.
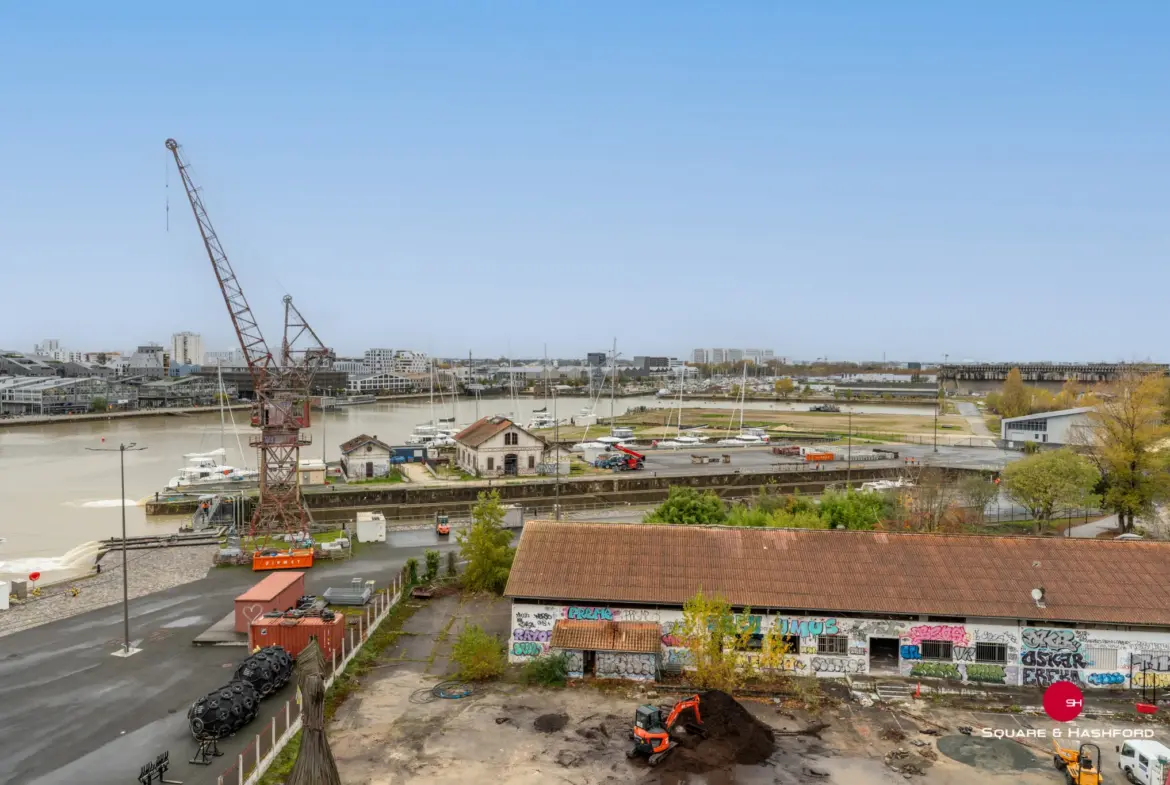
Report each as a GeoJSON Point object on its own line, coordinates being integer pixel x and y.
{"type": "Point", "coordinates": [1144, 761]}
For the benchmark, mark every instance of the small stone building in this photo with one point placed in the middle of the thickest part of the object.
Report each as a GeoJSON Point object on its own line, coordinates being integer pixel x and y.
{"type": "Point", "coordinates": [365, 457]}
{"type": "Point", "coordinates": [498, 447]}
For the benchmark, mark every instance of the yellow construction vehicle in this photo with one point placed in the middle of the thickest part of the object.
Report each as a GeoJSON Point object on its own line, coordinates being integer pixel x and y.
{"type": "Point", "coordinates": [1081, 766]}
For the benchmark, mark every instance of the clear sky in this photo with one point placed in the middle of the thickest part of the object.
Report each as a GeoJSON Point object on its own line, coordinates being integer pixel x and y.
{"type": "Point", "coordinates": [989, 180]}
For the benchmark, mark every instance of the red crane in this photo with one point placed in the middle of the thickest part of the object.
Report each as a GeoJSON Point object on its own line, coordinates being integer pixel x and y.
{"type": "Point", "coordinates": [281, 404]}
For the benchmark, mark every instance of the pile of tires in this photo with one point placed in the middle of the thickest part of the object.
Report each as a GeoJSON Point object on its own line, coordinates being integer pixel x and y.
{"type": "Point", "coordinates": [224, 711]}
{"type": "Point", "coordinates": [267, 670]}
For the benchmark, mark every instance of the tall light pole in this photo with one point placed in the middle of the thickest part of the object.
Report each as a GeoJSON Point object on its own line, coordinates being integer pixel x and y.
{"type": "Point", "coordinates": [849, 455]}
{"type": "Point", "coordinates": [121, 450]}
{"type": "Point", "coordinates": [556, 457]}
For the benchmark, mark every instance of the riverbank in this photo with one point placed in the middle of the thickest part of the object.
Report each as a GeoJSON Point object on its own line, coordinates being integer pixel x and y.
{"type": "Point", "coordinates": [150, 571]}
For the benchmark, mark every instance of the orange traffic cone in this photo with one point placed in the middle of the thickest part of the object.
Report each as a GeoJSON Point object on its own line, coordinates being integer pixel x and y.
{"type": "Point", "coordinates": [918, 690]}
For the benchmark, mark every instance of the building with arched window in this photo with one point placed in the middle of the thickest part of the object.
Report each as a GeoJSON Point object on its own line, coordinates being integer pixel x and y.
{"type": "Point", "coordinates": [497, 447]}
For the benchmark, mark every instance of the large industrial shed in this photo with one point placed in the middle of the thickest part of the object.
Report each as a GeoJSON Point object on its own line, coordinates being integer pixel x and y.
{"type": "Point", "coordinates": [962, 608]}
{"type": "Point", "coordinates": [1059, 428]}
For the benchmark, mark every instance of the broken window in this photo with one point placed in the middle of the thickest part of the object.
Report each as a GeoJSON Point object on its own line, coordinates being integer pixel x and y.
{"type": "Point", "coordinates": [937, 650]}
{"type": "Point", "coordinates": [994, 653]}
{"type": "Point", "coordinates": [833, 644]}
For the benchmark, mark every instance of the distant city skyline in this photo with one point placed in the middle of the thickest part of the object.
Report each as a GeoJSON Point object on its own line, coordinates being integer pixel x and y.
{"type": "Point", "coordinates": [842, 181]}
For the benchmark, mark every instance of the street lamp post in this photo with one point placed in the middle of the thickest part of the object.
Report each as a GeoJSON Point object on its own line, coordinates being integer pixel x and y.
{"type": "Point", "coordinates": [121, 450]}
{"type": "Point", "coordinates": [849, 455]}
{"type": "Point", "coordinates": [556, 457]}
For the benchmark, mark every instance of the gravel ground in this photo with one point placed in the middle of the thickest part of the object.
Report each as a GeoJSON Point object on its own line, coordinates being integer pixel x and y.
{"type": "Point", "coordinates": [150, 571]}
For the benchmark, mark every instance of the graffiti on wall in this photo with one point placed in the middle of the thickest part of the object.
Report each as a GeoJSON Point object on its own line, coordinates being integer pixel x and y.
{"type": "Point", "coordinates": [985, 674]}
{"type": "Point", "coordinates": [588, 613]}
{"type": "Point", "coordinates": [625, 666]}
{"type": "Point", "coordinates": [963, 653]}
{"type": "Point", "coordinates": [879, 629]}
{"type": "Point", "coordinates": [1154, 662]}
{"type": "Point", "coordinates": [534, 620]}
{"type": "Point", "coordinates": [807, 627]}
{"type": "Point", "coordinates": [1106, 679]}
{"type": "Point", "coordinates": [1052, 655]}
{"type": "Point", "coordinates": [1052, 640]}
{"type": "Point", "coordinates": [574, 662]}
{"type": "Point", "coordinates": [910, 652]}
{"type": "Point", "coordinates": [837, 665]}
{"type": "Point", "coordinates": [1150, 679]}
{"type": "Point", "coordinates": [956, 634]}
{"type": "Point", "coordinates": [935, 670]}
{"type": "Point", "coordinates": [540, 636]}
{"type": "Point", "coordinates": [526, 649]}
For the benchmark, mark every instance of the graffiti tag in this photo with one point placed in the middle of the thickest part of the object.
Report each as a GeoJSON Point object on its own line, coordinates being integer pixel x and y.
{"type": "Point", "coordinates": [1105, 679]}
{"type": "Point", "coordinates": [1056, 640]}
{"type": "Point", "coordinates": [935, 670]}
{"type": "Point", "coordinates": [1148, 679]}
{"type": "Point", "coordinates": [1053, 659]}
{"type": "Point", "coordinates": [990, 674]}
{"type": "Point", "coordinates": [527, 649]}
{"type": "Point", "coordinates": [964, 653]}
{"type": "Point", "coordinates": [1043, 677]}
{"type": "Point", "coordinates": [909, 652]}
{"type": "Point", "coordinates": [532, 635]}
{"type": "Point", "coordinates": [837, 665]}
{"type": "Point", "coordinates": [593, 614]}
{"type": "Point", "coordinates": [939, 632]}
{"type": "Point", "coordinates": [806, 627]}
{"type": "Point", "coordinates": [625, 666]}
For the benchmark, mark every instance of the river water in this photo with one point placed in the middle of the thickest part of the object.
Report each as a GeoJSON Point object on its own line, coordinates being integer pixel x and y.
{"type": "Point", "coordinates": [58, 493]}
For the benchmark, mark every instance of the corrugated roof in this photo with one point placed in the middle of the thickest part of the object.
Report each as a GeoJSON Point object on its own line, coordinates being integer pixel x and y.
{"type": "Point", "coordinates": [627, 636]}
{"type": "Point", "coordinates": [1102, 581]}
{"type": "Point", "coordinates": [481, 430]}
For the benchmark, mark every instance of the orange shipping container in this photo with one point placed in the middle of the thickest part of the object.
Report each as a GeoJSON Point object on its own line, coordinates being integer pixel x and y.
{"type": "Point", "coordinates": [818, 456]}
{"type": "Point", "coordinates": [277, 592]}
{"type": "Point", "coordinates": [294, 634]}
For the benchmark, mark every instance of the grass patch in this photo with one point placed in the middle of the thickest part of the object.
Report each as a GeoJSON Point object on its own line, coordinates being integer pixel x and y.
{"type": "Point", "coordinates": [343, 686]}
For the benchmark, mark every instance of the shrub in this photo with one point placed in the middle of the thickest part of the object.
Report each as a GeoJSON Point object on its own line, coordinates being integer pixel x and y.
{"type": "Point", "coordinates": [550, 670]}
{"type": "Point", "coordinates": [451, 571]}
{"type": "Point", "coordinates": [687, 505]}
{"type": "Point", "coordinates": [412, 570]}
{"type": "Point", "coordinates": [478, 655]}
{"type": "Point", "coordinates": [432, 558]}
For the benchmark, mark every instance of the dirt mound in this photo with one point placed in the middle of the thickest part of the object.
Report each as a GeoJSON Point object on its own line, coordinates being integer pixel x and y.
{"type": "Point", "coordinates": [733, 736]}
{"type": "Point", "coordinates": [550, 723]}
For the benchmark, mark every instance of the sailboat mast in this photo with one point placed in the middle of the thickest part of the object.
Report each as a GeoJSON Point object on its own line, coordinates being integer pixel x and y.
{"type": "Point", "coordinates": [612, 385]}
{"type": "Point", "coordinates": [222, 396]}
{"type": "Point", "coordinates": [742, 396]}
{"type": "Point", "coordinates": [432, 391]}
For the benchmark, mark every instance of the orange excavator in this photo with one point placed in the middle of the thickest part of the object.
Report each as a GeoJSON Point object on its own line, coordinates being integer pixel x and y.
{"type": "Point", "coordinates": [652, 732]}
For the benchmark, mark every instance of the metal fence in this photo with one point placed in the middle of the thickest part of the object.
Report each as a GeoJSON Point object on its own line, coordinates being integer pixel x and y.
{"type": "Point", "coordinates": [250, 764]}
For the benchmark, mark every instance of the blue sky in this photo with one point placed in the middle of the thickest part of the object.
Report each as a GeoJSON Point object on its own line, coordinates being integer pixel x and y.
{"type": "Point", "coordinates": [987, 180]}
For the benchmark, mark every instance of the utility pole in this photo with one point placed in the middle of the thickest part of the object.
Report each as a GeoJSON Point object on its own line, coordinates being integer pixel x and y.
{"type": "Point", "coordinates": [556, 458]}
{"type": "Point", "coordinates": [849, 455]}
{"type": "Point", "coordinates": [121, 450]}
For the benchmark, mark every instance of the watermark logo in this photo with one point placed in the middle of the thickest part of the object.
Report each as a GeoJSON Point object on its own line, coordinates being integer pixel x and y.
{"type": "Point", "coordinates": [1064, 701]}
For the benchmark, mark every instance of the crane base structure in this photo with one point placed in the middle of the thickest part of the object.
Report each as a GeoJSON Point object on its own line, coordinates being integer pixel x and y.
{"type": "Point", "coordinates": [282, 385]}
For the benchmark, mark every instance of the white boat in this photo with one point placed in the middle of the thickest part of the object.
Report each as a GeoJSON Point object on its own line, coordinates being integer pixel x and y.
{"type": "Point", "coordinates": [206, 469]}
{"type": "Point", "coordinates": [584, 446]}
{"type": "Point", "coordinates": [690, 441]}
{"type": "Point", "coordinates": [541, 420]}
{"type": "Point", "coordinates": [423, 434]}
{"type": "Point", "coordinates": [585, 417]}
{"type": "Point", "coordinates": [609, 440]}
{"type": "Point", "coordinates": [622, 434]}
{"type": "Point", "coordinates": [664, 393]}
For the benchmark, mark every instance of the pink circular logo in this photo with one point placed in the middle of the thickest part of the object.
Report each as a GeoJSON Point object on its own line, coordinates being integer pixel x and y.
{"type": "Point", "coordinates": [1064, 701]}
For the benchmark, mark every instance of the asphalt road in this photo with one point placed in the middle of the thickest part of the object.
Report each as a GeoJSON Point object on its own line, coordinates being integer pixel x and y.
{"type": "Point", "coordinates": [677, 462]}
{"type": "Point", "coordinates": [72, 713]}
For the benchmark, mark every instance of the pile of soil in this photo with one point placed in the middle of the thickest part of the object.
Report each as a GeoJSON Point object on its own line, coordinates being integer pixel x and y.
{"type": "Point", "coordinates": [733, 736]}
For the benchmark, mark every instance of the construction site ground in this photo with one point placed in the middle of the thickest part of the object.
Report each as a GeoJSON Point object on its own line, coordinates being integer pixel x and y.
{"type": "Point", "coordinates": [510, 733]}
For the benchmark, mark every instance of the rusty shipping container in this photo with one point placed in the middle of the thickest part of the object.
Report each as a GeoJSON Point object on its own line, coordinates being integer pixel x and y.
{"type": "Point", "coordinates": [276, 592]}
{"type": "Point", "coordinates": [294, 634]}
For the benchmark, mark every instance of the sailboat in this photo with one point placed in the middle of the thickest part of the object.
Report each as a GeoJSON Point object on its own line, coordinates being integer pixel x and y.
{"type": "Point", "coordinates": [208, 468]}
{"type": "Point", "coordinates": [746, 436]}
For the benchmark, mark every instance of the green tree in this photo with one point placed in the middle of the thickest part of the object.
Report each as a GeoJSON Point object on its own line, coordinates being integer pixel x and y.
{"type": "Point", "coordinates": [98, 404]}
{"type": "Point", "coordinates": [1014, 400]}
{"type": "Point", "coordinates": [432, 559]}
{"type": "Point", "coordinates": [485, 546]}
{"type": "Point", "coordinates": [687, 505]}
{"type": "Point", "coordinates": [784, 387]}
{"type": "Point", "coordinates": [1127, 428]}
{"type": "Point", "coordinates": [451, 570]}
{"type": "Point", "coordinates": [714, 637]}
{"type": "Point", "coordinates": [977, 491]}
{"type": "Point", "coordinates": [852, 510]}
{"type": "Point", "coordinates": [1049, 483]}
{"type": "Point", "coordinates": [102, 358]}
{"type": "Point", "coordinates": [478, 654]}
{"type": "Point", "coordinates": [412, 570]}
{"type": "Point", "coordinates": [547, 670]}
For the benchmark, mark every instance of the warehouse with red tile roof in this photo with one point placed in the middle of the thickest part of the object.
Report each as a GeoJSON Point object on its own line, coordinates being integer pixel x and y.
{"type": "Point", "coordinates": [1006, 610]}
